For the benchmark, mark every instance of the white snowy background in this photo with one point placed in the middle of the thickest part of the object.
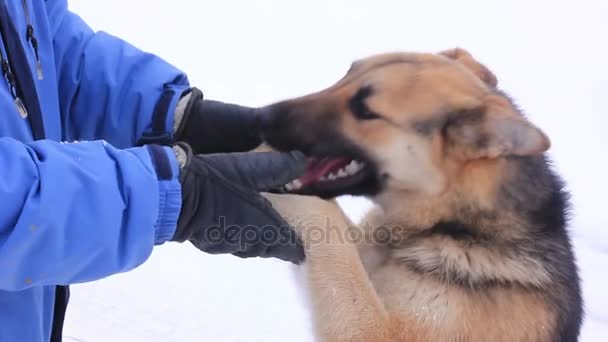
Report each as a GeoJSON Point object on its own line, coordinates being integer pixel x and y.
{"type": "Point", "coordinates": [551, 56]}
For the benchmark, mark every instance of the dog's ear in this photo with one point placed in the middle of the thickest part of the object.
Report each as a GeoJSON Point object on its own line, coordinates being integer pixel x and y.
{"type": "Point", "coordinates": [465, 58]}
{"type": "Point", "coordinates": [493, 131]}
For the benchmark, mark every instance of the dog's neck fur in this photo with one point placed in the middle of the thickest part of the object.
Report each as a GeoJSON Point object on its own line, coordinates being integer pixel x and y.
{"type": "Point", "coordinates": [474, 244]}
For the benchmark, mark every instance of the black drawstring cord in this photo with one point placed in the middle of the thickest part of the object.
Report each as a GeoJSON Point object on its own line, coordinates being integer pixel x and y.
{"type": "Point", "coordinates": [32, 39]}
{"type": "Point", "coordinates": [10, 79]}
{"type": "Point", "coordinates": [8, 75]}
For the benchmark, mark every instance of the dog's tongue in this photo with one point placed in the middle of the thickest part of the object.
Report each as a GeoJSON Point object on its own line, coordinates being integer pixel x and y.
{"type": "Point", "coordinates": [318, 168]}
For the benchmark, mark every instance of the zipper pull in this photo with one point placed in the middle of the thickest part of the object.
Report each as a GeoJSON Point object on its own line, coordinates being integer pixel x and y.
{"type": "Point", "coordinates": [29, 34]}
{"type": "Point", "coordinates": [21, 108]}
{"type": "Point", "coordinates": [39, 70]}
{"type": "Point", "coordinates": [10, 79]}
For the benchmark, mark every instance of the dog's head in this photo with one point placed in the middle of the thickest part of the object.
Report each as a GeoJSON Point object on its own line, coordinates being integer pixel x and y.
{"type": "Point", "coordinates": [402, 122]}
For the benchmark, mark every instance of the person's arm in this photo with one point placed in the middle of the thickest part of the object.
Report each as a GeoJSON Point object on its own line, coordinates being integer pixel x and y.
{"type": "Point", "coordinates": [79, 212]}
{"type": "Point", "coordinates": [109, 89]}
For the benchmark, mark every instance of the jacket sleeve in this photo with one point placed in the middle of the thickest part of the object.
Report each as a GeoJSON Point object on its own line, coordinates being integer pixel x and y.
{"type": "Point", "coordinates": [79, 212]}
{"type": "Point", "coordinates": [109, 89]}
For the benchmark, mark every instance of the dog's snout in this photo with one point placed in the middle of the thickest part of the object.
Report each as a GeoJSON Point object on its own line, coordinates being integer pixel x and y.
{"type": "Point", "coordinates": [309, 125]}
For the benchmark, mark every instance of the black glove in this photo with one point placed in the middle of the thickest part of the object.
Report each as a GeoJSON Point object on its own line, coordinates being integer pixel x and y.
{"type": "Point", "coordinates": [222, 210]}
{"type": "Point", "coordinates": [217, 127]}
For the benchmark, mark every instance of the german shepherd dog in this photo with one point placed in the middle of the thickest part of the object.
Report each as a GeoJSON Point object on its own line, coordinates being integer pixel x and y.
{"type": "Point", "coordinates": [477, 246]}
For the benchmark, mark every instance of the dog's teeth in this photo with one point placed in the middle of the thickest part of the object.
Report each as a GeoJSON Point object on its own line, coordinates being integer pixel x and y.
{"type": "Point", "coordinates": [296, 184]}
{"type": "Point", "coordinates": [293, 185]}
{"type": "Point", "coordinates": [342, 173]}
{"type": "Point", "coordinates": [354, 167]}
{"type": "Point", "coordinates": [359, 165]}
{"type": "Point", "coordinates": [351, 169]}
{"type": "Point", "coordinates": [331, 176]}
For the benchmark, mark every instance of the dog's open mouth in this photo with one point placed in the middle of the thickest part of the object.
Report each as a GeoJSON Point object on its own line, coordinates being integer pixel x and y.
{"type": "Point", "coordinates": [331, 177]}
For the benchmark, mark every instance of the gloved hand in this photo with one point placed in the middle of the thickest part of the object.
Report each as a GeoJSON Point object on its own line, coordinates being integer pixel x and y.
{"type": "Point", "coordinates": [222, 210]}
{"type": "Point", "coordinates": [216, 127]}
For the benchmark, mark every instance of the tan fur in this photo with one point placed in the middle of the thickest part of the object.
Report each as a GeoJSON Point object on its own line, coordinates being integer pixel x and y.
{"type": "Point", "coordinates": [402, 291]}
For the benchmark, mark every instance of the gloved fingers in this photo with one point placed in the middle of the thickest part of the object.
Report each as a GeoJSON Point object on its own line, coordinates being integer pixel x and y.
{"type": "Point", "coordinates": [250, 241]}
{"type": "Point", "coordinates": [260, 171]}
{"type": "Point", "coordinates": [217, 127]}
{"type": "Point", "coordinates": [235, 126]}
{"type": "Point", "coordinates": [245, 224]}
{"type": "Point", "coordinates": [293, 253]}
{"type": "Point", "coordinates": [223, 212]}
{"type": "Point", "coordinates": [273, 242]}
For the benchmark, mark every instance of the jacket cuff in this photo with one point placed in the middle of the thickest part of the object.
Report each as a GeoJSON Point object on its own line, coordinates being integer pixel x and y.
{"type": "Point", "coordinates": [170, 192]}
{"type": "Point", "coordinates": [180, 111]}
{"type": "Point", "coordinates": [163, 118]}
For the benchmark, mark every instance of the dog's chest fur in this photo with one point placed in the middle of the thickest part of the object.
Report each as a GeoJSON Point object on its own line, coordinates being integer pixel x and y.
{"type": "Point", "coordinates": [450, 312]}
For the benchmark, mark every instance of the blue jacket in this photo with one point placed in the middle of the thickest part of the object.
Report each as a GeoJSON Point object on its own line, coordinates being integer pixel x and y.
{"type": "Point", "coordinates": [82, 198]}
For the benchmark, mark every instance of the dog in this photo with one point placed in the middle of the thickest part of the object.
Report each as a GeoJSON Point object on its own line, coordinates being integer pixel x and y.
{"type": "Point", "coordinates": [474, 243]}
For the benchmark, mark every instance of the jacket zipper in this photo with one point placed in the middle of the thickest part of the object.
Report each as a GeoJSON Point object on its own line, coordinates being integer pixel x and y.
{"type": "Point", "coordinates": [10, 79]}
{"type": "Point", "coordinates": [20, 78]}
{"type": "Point", "coordinates": [32, 39]}
{"type": "Point", "coordinates": [62, 293]}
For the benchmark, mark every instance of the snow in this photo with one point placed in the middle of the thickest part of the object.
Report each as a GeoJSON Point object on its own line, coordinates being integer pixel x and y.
{"type": "Point", "coordinates": [549, 55]}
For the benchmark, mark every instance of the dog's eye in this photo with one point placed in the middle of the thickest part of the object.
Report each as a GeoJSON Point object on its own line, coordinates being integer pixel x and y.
{"type": "Point", "coordinates": [358, 106]}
